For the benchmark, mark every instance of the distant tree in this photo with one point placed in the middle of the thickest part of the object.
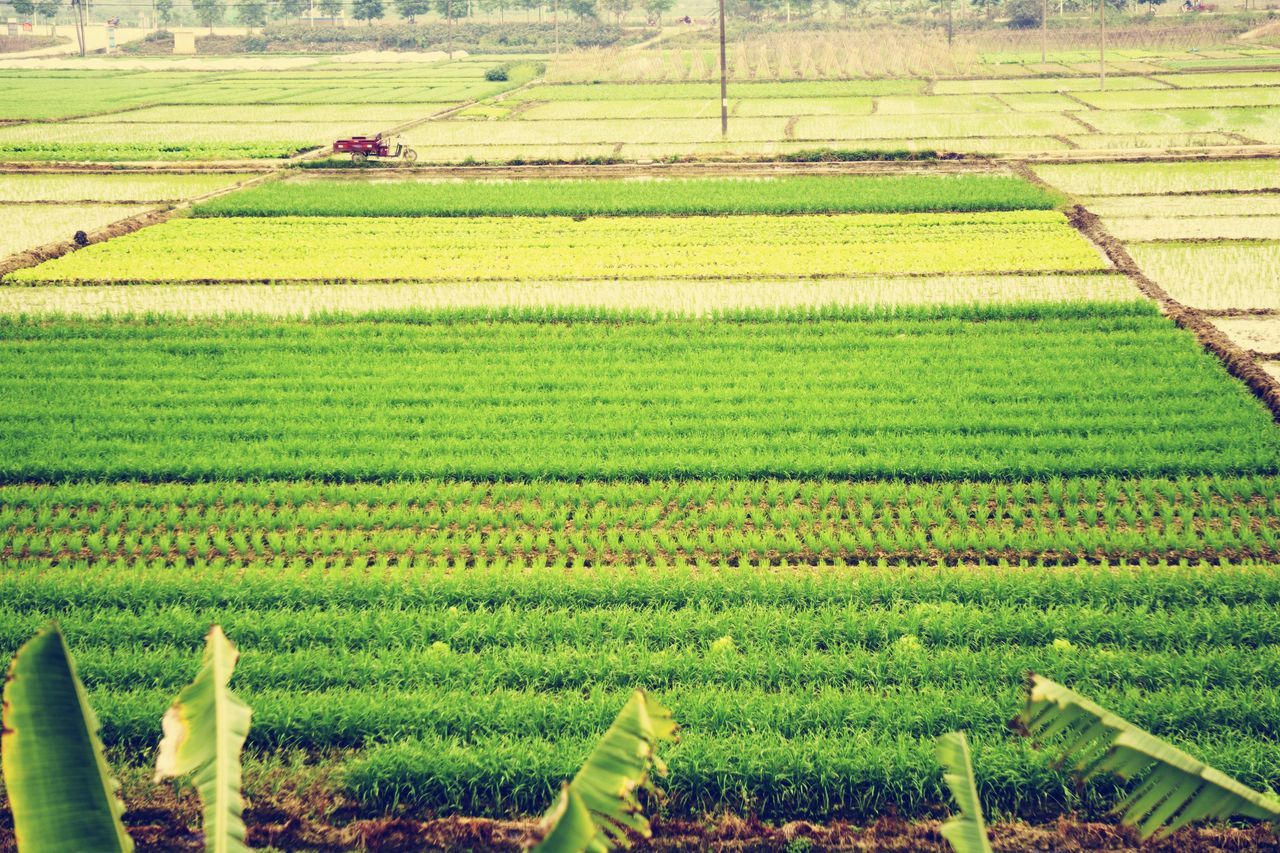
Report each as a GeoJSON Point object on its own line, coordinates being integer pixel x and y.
{"type": "Point", "coordinates": [367, 10]}
{"type": "Point", "coordinates": [849, 6]}
{"type": "Point", "coordinates": [330, 8]}
{"type": "Point", "coordinates": [24, 8]}
{"type": "Point", "coordinates": [47, 9]}
{"type": "Point", "coordinates": [754, 10]}
{"type": "Point", "coordinates": [1024, 14]}
{"type": "Point", "coordinates": [655, 9]}
{"type": "Point", "coordinates": [164, 12]}
{"type": "Point", "coordinates": [451, 10]}
{"type": "Point", "coordinates": [411, 9]}
{"type": "Point", "coordinates": [987, 7]}
{"type": "Point", "coordinates": [1151, 5]}
{"type": "Point", "coordinates": [499, 6]}
{"type": "Point", "coordinates": [252, 13]}
{"type": "Point", "coordinates": [289, 8]}
{"type": "Point", "coordinates": [618, 8]}
{"type": "Point", "coordinates": [583, 10]}
{"type": "Point", "coordinates": [207, 12]}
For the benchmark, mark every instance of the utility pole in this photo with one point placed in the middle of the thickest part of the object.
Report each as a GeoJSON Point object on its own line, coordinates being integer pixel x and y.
{"type": "Point", "coordinates": [1044, 33]}
{"type": "Point", "coordinates": [724, 82]}
{"type": "Point", "coordinates": [1102, 45]}
{"type": "Point", "coordinates": [77, 11]}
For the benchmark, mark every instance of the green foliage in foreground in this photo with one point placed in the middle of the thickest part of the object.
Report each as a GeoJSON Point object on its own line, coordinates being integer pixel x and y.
{"type": "Point", "coordinates": [966, 831]}
{"type": "Point", "coordinates": [60, 790]}
{"type": "Point", "coordinates": [705, 196]}
{"type": "Point", "coordinates": [600, 802]}
{"type": "Point", "coordinates": [1021, 391]}
{"type": "Point", "coordinates": [1171, 788]}
{"type": "Point", "coordinates": [204, 732]}
{"type": "Point", "coordinates": [480, 690]}
{"type": "Point", "coordinates": [59, 787]}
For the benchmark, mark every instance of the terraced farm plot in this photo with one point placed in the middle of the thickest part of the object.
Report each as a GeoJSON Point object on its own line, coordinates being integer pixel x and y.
{"type": "Point", "coordinates": [1182, 98]}
{"type": "Point", "coordinates": [27, 226]}
{"type": "Point", "coordinates": [666, 398]}
{"type": "Point", "coordinates": [120, 187]}
{"type": "Point", "coordinates": [24, 95]}
{"type": "Point", "coordinates": [1195, 228]}
{"type": "Point", "coordinates": [1260, 122]}
{"type": "Point", "coordinates": [1233, 275]}
{"type": "Point", "coordinates": [1164, 207]}
{"type": "Point", "coordinates": [562, 248]}
{"type": "Point", "coordinates": [1146, 178]}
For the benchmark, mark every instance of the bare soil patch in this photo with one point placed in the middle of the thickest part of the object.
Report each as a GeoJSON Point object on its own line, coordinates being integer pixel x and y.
{"type": "Point", "coordinates": [1258, 334]}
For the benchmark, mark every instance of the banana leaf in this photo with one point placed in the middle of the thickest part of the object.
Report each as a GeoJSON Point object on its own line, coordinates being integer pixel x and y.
{"type": "Point", "coordinates": [967, 831]}
{"type": "Point", "coordinates": [204, 733]}
{"type": "Point", "coordinates": [60, 789]}
{"type": "Point", "coordinates": [607, 782]}
{"type": "Point", "coordinates": [1172, 789]}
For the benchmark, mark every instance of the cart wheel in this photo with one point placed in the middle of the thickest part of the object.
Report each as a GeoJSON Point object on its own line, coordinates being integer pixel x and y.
{"type": "Point", "coordinates": [410, 156]}
{"type": "Point", "coordinates": [358, 157]}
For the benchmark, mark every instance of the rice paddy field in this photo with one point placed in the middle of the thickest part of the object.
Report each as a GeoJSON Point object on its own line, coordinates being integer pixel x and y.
{"type": "Point", "coordinates": [825, 457]}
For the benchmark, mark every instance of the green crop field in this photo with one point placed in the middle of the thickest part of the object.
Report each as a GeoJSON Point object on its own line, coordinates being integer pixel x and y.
{"type": "Point", "coordinates": [825, 455]}
{"type": "Point", "coordinates": [703, 197]}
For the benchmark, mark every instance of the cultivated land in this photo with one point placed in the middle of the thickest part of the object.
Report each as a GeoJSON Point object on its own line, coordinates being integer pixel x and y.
{"type": "Point", "coordinates": [459, 462]}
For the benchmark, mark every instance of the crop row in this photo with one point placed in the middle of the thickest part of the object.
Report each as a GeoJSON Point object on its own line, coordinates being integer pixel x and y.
{"type": "Point", "coordinates": [699, 196]}
{"type": "Point", "coordinates": [675, 298]}
{"type": "Point", "coordinates": [454, 685]}
{"type": "Point", "coordinates": [628, 523]}
{"type": "Point", "coordinates": [558, 248]}
{"type": "Point", "coordinates": [1097, 389]}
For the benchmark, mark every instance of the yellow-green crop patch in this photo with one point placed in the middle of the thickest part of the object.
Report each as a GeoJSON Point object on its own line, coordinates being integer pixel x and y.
{"type": "Point", "coordinates": [560, 248]}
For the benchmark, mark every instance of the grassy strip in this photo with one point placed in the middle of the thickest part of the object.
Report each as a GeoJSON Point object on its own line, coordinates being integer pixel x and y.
{"type": "Point", "coordinates": [474, 691]}
{"type": "Point", "coordinates": [129, 151]}
{"type": "Point", "coordinates": [699, 196]}
{"type": "Point", "coordinates": [559, 248]}
{"type": "Point", "coordinates": [1060, 520]}
{"type": "Point", "coordinates": [946, 398]}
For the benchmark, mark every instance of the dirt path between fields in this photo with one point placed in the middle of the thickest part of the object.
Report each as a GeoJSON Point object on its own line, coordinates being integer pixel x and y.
{"type": "Point", "coordinates": [165, 829]}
